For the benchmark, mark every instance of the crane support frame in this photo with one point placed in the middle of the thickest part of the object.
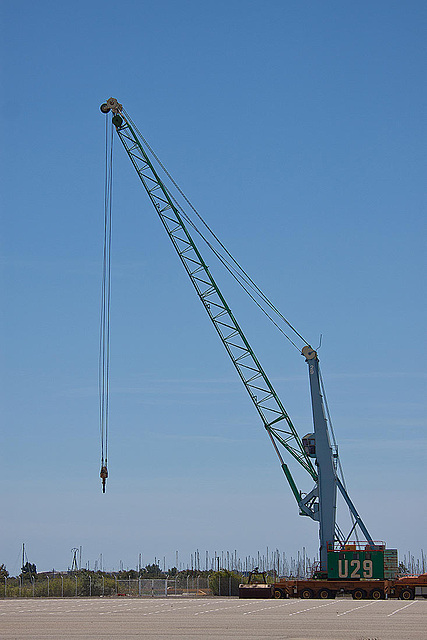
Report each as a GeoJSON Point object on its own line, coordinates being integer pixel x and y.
{"type": "Point", "coordinates": [327, 480]}
{"type": "Point", "coordinates": [321, 503]}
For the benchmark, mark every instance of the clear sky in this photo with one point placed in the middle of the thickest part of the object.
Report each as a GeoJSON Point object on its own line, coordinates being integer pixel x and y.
{"type": "Point", "coordinates": [298, 129]}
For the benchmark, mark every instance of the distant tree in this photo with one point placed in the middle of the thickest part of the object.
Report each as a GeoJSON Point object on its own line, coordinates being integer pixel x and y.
{"type": "Point", "coordinates": [4, 573]}
{"type": "Point", "coordinates": [90, 583]}
{"type": "Point", "coordinates": [29, 570]}
{"type": "Point", "coordinates": [132, 574]}
{"type": "Point", "coordinates": [224, 583]}
{"type": "Point", "coordinates": [84, 583]}
{"type": "Point", "coordinates": [152, 571]}
{"type": "Point", "coordinates": [125, 575]}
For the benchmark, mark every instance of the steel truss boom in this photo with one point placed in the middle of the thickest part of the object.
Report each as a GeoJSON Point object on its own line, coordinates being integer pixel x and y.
{"type": "Point", "coordinates": [262, 393]}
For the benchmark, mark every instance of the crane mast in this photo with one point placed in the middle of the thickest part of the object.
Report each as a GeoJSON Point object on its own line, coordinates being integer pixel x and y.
{"type": "Point", "coordinates": [320, 503]}
{"type": "Point", "coordinates": [326, 486]}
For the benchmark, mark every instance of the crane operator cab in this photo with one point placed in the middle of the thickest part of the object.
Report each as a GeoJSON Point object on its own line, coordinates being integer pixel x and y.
{"type": "Point", "coordinates": [309, 444]}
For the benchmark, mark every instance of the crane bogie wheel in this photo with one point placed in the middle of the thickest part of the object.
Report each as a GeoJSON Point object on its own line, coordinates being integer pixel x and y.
{"type": "Point", "coordinates": [376, 594]}
{"type": "Point", "coordinates": [359, 594]}
{"type": "Point", "coordinates": [104, 107]}
{"type": "Point", "coordinates": [306, 594]}
{"type": "Point", "coordinates": [324, 594]}
{"type": "Point", "coordinates": [278, 593]}
{"type": "Point", "coordinates": [407, 594]}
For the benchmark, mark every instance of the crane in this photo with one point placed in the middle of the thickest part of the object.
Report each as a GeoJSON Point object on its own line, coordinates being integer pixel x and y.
{"type": "Point", "coordinates": [314, 452]}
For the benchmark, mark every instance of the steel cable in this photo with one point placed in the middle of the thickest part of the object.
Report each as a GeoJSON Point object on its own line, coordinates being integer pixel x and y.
{"type": "Point", "coordinates": [104, 334]}
{"type": "Point", "coordinates": [237, 272]}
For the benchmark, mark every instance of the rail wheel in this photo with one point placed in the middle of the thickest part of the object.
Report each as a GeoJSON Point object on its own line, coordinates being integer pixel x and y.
{"type": "Point", "coordinates": [406, 594]}
{"type": "Point", "coordinates": [376, 594]}
{"type": "Point", "coordinates": [359, 594]}
{"type": "Point", "coordinates": [324, 594]}
{"type": "Point", "coordinates": [306, 594]}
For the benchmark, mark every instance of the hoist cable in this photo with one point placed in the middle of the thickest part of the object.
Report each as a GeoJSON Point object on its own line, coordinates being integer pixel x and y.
{"type": "Point", "coordinates": [331, 428]}
{"type": "Point", "coordinates": [235, 275]}
{"type": "Point", "coordinates": [101, 330]}
{"type": "Point", "coordinates": [246, 282]}
{"type": "Point", "coordinates": [104, 335]}
{"type": "Point", "coordinates": [239, 269]}
{"type": "Point", "coordinates": [243, 273]}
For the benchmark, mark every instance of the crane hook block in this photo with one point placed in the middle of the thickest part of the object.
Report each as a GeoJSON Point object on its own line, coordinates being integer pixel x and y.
{"type": "Point", "coordinates": [103, 475]}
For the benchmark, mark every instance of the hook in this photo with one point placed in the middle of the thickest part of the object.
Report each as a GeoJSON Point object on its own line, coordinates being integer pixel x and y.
{"type": "Point", "coordinates": [103, 475]}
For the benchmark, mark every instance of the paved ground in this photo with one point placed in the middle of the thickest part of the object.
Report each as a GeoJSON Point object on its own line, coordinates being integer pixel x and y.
{"type": "Point", "coordinates": [222, 618]}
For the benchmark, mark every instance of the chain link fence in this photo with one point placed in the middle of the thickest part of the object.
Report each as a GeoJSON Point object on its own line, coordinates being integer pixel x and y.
{"type": "Point", "coordinates": [85, 585]}
{"type": "Point", "coordinates": [179, 586]}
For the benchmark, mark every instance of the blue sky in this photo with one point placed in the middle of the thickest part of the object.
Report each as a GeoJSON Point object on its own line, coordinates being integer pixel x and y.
{"type": "Point", "coordinates": [298, 130]}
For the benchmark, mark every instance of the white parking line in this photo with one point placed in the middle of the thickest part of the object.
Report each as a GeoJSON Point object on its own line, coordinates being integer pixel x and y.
{"type": "Point", "coordinates": [311, 608]}
{"type": "Point", "coordinates": [400, 609]}
{"type": "Point", "coordinates": [355, 608]}
{"type": "Point", "coordinates": [283, 604]}
{"type": "Point", "coordinates": [171, 609]}
{"type": "Point", "coordinates": [246, 604]}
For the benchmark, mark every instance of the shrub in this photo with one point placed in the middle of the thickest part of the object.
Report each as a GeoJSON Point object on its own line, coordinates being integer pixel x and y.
{"type": "Point", "coordinates": [224, 583]}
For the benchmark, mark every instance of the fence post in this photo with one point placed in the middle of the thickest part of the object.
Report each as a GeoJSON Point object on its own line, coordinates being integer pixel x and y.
{"type": "Point", "coordinates": [33, 581]}
{"type": "Point", "coordinates": [90, 586]}
{"type": "Point", "coordinates": [76, 586]}
{"type": "Point", "coordinates": [20, 586]}
{"type": "Point", "coordinates": [115, 578]}
{"type": "Point", "coordinates": [187, 583]}
{"type": "Point", "coordinates": [166, 587]}
{"type": "Point", "coordinates": [47, 586]}
{"type": "Point", "coordinates": [5, 586]}
{"type": "Point", "coordinates": [62, 586]}
{"type": "Point", "coordinates": [152, 588]}
{"type": "Point", "coordinates": [197, 586]}
{"type": "Point", "coordinates": [219, 583]}
{"type": "Point", "coordinates": [103, 585]}
{"type": "Point", "coordinates": [229, 586]}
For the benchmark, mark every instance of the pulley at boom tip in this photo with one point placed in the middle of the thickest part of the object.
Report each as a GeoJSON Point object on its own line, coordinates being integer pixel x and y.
{"type": "Point", "coordinates": [111, 105]}
{"type": "Point", "coordinates": [116, 108]}
{"type": "Point", "coordinates": [308, 352]}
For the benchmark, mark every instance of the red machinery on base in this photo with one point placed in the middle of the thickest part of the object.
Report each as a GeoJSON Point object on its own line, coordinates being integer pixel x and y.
{"type": "Point", "coordinates": [405, 588]}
